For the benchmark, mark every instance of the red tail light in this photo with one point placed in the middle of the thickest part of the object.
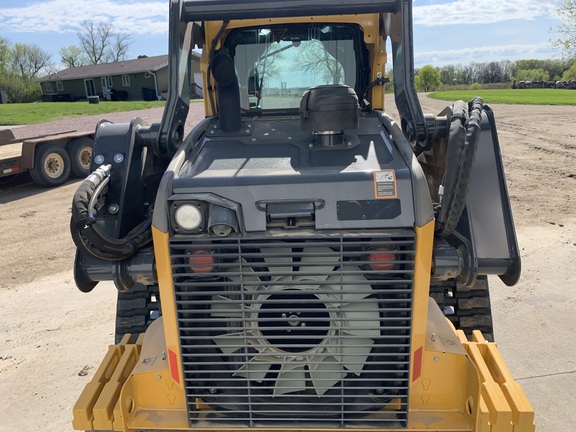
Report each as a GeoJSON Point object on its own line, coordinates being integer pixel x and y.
{"type": "Point", "coordinates": [201, 261]}
{"type": "Point", "coordinates": [382, 259]}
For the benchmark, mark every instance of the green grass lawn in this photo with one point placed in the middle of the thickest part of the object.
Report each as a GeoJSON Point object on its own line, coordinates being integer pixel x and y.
{"type": "Point", "coordinates": [41, 112]}
{"type": "Point", "coordinates": [512, 96]}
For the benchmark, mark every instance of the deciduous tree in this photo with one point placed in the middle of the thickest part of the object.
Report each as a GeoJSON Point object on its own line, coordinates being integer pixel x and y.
{"type": "Point", "coordinates": [567, 30]}
{"type": "Point", "coordinates": [119, 49]}
{"type": "Point", "coordinates": [72, 56]}
{"type": "Point", "coordinates": [428, 79]}
{"type": "Point", "coordinates": [101, 44]}
{"type": "Point", "coordinates": [4, 53]}
{"type": "Point", "coordinates": [28, 60]}
{"type": "Point", "coordinates": [532, 75]}
{"type": "Point", "coordinates": [491, 72]}
{"type": "Point", "coordinates": [570, 74]}
{"type": "Point", "coordinates": [555, 68]}
{"type": "Point", "coordinates": [20, 66]}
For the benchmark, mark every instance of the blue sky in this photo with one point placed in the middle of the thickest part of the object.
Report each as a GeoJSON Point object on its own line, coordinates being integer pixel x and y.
{"type": "Point", "coordinates": [446, 31]}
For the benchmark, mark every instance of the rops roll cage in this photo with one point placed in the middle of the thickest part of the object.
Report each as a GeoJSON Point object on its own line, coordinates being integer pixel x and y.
{"type": "Point", "coordinates": [184, 18]}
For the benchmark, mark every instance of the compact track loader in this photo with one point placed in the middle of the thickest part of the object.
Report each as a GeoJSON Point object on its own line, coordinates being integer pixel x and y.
{"type": "Point", "coordinates": [300, 261]}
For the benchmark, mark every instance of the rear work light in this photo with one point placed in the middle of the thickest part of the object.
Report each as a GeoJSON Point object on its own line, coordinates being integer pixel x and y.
{"type": "Point", "coordinates": [188, 217]}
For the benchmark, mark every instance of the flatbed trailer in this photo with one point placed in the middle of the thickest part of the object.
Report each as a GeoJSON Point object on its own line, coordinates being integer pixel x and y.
{"type": "Point", "coordinates": [50, 159]}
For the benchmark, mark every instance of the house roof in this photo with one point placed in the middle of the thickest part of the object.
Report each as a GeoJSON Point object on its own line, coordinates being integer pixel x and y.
{"type": "Point", "coordinates": [143, 64]}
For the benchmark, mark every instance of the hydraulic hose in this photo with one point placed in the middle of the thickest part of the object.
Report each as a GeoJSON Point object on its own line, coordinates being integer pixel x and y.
{"type": "Point", "coordinates": [463, 139]}
{"type": "Point", "coordinates": [456, 137]}
{"type": "Point", "coordinates": [88, 237]}
{"type": "Point", "coordinates": [96, 194]}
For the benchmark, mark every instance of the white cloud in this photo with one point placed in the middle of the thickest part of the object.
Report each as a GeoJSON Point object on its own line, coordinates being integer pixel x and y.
{"type": "Point", "coordinates": [483, 54]}
{"type": "Point", "coordinates": [63, 16]}
{"type": "Point", "coordinates": [151, 17]}
{"type": "Point", "coordinates": [482, 12]}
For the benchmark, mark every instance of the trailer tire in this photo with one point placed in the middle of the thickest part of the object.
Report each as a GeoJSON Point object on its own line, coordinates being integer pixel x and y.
{"type": "Point", "coordinates": [80, 151]}
{"type": "Point", "coordinates": [51, 165]}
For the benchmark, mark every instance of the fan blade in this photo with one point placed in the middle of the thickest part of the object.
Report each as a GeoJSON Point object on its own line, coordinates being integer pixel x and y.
{"type": "Point", "coordinates": [247, 280]}
{"type": "Point", "coordinates": [355, 352]}
{"type": "Point", "coordinates": [291, 380]}
{"type": "Point", "coordinates": [319, 266]}
{"type": "Point", "coordinates": [254, 370]}
{"type": "Point", "coordinates": [325, 374]}
{"type": "Point", "coordinates": [230, 342]}
{"type": "Point", "coordinates": [349, 287]}
{"type": "Point", "coordinates": [362, 319]}
{"type": "Point", "coordinates": [224, 307]}
{"type": "Point", "coordinates": [278, 264]}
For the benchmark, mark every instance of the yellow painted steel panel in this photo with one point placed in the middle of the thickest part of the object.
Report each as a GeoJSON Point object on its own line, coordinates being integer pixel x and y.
{"type": "Point", "coordinates": [83, 409]}
{"type": "Point", "coordinates": [104, 406]}
{"type": "Point", "coordinates": [422, 265]}
{"type": "Point", "coordinates": [510, 409]}
{"type": "Point", "coordinates": [164, 269]}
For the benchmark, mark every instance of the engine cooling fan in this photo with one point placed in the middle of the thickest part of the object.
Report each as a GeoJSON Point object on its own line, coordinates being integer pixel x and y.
{"type": "Point", "coordinates": [301, 320]}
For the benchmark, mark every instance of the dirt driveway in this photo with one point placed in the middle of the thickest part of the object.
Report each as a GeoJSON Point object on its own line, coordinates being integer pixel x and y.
{"type": "Point", "coordinates": [53, 337]}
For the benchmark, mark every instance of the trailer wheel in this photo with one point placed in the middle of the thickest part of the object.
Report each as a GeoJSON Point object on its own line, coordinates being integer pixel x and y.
{"type": "Point", "coordinates": [51, 166]}
{"type": "Point", "coordinates": [80, 151]}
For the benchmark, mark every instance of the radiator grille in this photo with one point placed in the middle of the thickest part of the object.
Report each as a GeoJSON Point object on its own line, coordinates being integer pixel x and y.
{"type": "Point", "coordinates": [296, 330]}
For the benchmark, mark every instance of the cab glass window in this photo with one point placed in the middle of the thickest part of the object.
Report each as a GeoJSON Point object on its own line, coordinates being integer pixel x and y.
{"type": "Point", "coordinates": [276, 64]}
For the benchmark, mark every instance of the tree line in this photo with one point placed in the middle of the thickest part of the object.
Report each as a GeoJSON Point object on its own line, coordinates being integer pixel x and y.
{"type": "Point", "coordinates": [506, 72]}
{"type": "Point", "coordinates": [496, 74]}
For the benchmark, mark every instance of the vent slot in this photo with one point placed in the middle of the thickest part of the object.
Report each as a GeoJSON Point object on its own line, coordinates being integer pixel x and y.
{"type": "Point", "coordinates": [284, 332]}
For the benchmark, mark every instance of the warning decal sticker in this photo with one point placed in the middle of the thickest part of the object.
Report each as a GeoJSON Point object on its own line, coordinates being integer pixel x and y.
{"type": "Point", "coordinates": [385, 184]}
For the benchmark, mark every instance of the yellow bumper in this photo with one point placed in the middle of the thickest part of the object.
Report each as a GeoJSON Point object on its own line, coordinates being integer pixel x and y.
{"type": "Point", "coordinates": [464, 386]}
{"type": "Point", "coordinates": [503, 405]}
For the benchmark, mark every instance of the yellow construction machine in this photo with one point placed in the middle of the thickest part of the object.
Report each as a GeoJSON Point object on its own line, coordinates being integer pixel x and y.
{"type": "Point", "coordinates": [300, 261]}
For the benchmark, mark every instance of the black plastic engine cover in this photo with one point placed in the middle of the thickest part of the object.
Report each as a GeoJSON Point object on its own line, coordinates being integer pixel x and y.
{"type": "Point", "coordinates": [329, 108]}
{"type": "Point", "coordinates": [363, 183]}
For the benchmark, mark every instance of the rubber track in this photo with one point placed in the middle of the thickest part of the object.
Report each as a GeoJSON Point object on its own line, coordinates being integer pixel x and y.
{"type": "Point", "coordinates": [467, 309]}
{"type": "Point", "coordinates": [135, 310]}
